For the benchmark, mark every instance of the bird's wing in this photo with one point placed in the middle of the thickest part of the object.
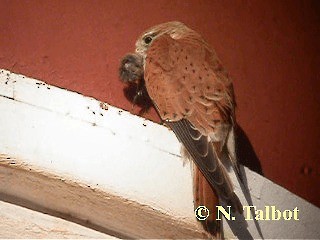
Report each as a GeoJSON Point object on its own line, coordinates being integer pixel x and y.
{"type": "Point", "coordinates": [206, 160]}
{"type": "Point", "coordinates": [187, 77]}
{"type": "Point", "coordinates": [193, 94]}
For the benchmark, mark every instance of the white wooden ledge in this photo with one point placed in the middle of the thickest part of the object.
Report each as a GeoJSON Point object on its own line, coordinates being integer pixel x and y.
{"type": "Point", "coordinates": [82, 160]}
{"type": "Point", "coordinates": [17, 222]}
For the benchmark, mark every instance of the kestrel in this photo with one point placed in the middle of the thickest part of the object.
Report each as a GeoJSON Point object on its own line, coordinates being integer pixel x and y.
{"type": "Point", "coordinates": [193, 95]}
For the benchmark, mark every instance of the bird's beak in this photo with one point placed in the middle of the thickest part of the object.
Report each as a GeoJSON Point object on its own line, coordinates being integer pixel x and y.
{"type": "Point", "coordinates": [139, 50]}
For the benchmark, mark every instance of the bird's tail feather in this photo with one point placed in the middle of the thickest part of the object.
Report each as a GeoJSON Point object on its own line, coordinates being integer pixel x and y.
{"type": "Point", "coordinates": [204, 195]}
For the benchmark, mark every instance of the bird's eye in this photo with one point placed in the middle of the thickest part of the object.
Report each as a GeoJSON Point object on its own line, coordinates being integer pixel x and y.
{"type": "Point", "coordinates": [147, 39]}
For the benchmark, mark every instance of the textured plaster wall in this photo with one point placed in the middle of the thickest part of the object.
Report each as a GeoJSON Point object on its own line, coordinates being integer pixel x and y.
{"type": "Point", "coordinates": [271, 49]}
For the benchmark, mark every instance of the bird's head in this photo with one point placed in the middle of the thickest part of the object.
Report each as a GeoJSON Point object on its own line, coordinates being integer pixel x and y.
{"type": "Point", "coordinates": [174, 29]}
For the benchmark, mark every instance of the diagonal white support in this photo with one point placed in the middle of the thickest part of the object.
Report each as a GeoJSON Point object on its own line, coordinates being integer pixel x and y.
{"type": "Point", "coordinates": [17, 222]}
{"type": "Point", "coordinates": [75, 157]}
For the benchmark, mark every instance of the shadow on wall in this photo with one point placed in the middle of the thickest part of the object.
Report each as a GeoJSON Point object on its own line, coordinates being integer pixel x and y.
{"type": "Point", "coordinates": [245, 152]}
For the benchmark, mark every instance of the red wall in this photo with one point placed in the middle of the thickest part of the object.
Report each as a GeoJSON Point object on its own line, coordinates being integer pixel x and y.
{"type": "Point", "coordinates": [271, 49]}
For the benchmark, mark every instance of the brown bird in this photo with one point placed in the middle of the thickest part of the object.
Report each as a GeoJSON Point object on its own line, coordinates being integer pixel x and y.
{"type": "Point", "coordinates": [194, 96]}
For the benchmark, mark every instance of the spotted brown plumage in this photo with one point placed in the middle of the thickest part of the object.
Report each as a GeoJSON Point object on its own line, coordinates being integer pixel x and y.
{"type": "Point", "coordinates": [193, 95]}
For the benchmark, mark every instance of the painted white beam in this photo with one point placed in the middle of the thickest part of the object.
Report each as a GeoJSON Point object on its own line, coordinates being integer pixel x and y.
{"type": "Point", "coordinates": [19, 222]}
{"type": "Point", "coordinates": [67, 154]}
